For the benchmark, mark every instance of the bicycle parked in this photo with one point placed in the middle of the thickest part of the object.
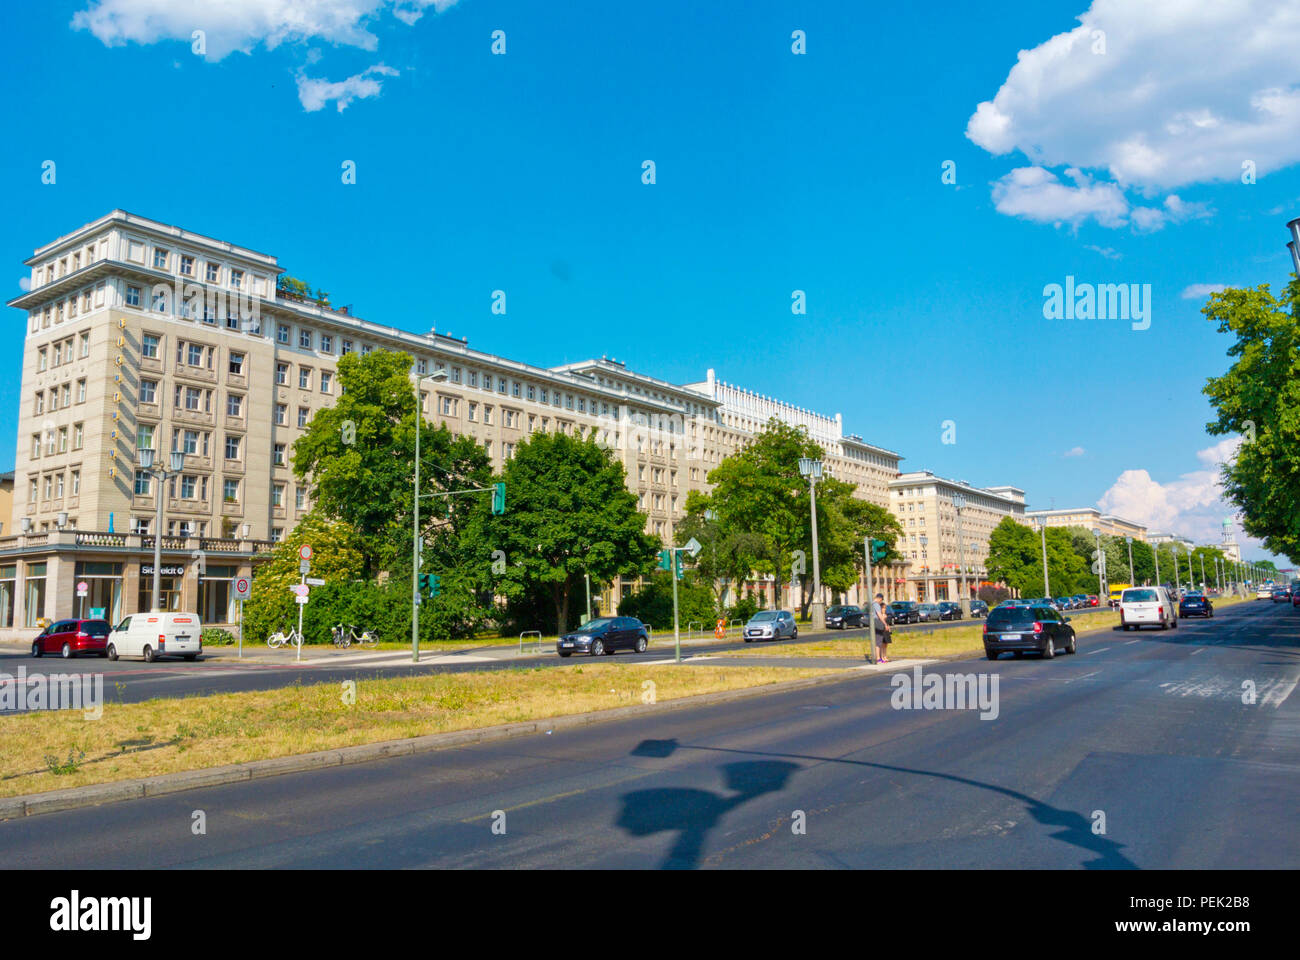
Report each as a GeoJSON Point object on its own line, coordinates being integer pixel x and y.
{"type": "Point", "coordinates": [282, 639]}
{"type": "Point", "coordinates": [345, 636]}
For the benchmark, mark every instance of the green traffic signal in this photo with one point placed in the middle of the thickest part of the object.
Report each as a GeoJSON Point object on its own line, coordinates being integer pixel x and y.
{"type": "Point", "coordinates": [665, 559]}
{"type": "Point", "coordinates": [430, 583]}
{"type": "Point", "coordinates": [498, 499]}
{"type": "Point", "coordinates": [879, 550]}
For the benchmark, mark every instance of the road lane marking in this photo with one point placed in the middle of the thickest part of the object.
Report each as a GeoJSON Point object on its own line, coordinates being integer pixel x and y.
{"type": "Point", "coordinates": [1098, 650]}
{"type": "Point", "coordinates": [1084, 677]}
{"type": "Point", "coordinates": [1129, 642]}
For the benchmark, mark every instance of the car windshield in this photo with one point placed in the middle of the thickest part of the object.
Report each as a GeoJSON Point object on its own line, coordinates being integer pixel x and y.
{"type": "Point", "coordinates": [1005, 616]}
{"type": "Point", "coordinates": [1140, 596]}
{"type": "Point", "coordinates": [1193, 595]}
{"type": "Point", "coordinates": [591, 626]}
{"type": "Point", "coordinates": [763, 617]}
{"type": "Point", "coordinates": [95, 628]}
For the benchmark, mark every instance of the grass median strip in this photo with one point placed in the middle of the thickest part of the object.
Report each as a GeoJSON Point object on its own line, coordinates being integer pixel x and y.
{"type": "Point", "coordinates": [54, 750]}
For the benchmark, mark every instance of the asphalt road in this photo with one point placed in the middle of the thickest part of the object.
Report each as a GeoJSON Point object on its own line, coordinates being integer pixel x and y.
{"type": "Point", "coordinates": [1138, 752]}
{"type": "Point", "coordinates": [132, 681]}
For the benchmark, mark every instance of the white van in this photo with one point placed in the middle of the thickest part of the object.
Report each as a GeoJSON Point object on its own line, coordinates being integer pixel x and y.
{"type": "Point", "coordinates": [1147, 606]}
{"type": "Point", "coordinates": [153, 635]}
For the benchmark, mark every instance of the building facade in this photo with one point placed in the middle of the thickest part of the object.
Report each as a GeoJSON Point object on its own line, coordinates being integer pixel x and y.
{"type": "Point", "coordinates": [1089, 518]}
{"type": "Point", "coordinates": [946, 530]}
{"type": "Point", "coordinates": [141, 334]}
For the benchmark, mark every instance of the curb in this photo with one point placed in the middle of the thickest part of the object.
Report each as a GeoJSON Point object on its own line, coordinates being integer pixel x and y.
{"type": "Point", "coordinates": [33, 804]}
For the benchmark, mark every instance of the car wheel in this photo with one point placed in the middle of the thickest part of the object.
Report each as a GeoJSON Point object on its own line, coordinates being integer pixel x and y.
{"type": "Point", "coordinates": [191, 657]}
{"type": "Point", "coordinates": [991, 654]}
{"type": "Point", "coordinates": [66, 652]}
{"type": "Point", "coordinates": [1049, 651]}
{"type": "Point", "coordinates": [748, 640]}
{"type": "Point", "coordinates": [641, 644]}
{"type": "Point", "coordinates": [597, 648]}
{"type": "Point", "coordinates": [36, 649]}
{"type": "Point", "coordinates": [1175, 623]}
{"type": "Point", "coordinates": [565, 653]}
{"type": "Point", "coordinates": [795, 635]}
{"type": "Point", "coordinates": [1071, 647]}
{"type": "Point", "coordinates": [148, 653]}
{"type": "Point", "coordinates": [111, 651]}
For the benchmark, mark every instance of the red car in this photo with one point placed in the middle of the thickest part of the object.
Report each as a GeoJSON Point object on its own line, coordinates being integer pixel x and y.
{"type": "Point", "coordinates": [1093, 601]}
{"type": "Point", "coordinates": [71, 637]}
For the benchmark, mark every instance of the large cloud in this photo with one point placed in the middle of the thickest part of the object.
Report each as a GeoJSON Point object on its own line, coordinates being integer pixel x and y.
{"type": "Point", "coordinates": [1185, 92]}
{"type": "Point", "coordinates": [1190, 506]}
{"type": "Point", "coordinates": [231, 25]}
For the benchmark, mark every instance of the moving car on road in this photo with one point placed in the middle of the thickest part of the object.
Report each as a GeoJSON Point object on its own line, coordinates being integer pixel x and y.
{"type": "Point", "coordinates": [1281, 594]}
{"type": "Point", "coordinates": [1195, 604]}
{"type": "Point", "coordinates": [905, 611]}
{"type": "Point", "coordinates": [153, 635]}
{"type": "Point", "coordinates": [1265, 592]}
{"type": "Point", "coordinates": [841, 616]}
{"type": "Point", "coordinates": [771, 625]}
{"type": "Point", "coordinates": [603, 635]}
{"type": "Point", "coordinates": [68, 638]}
{"type": "Point", "coordinates": [1147, 606]}
{"type": "Point", "coordinates": [1037, 629]}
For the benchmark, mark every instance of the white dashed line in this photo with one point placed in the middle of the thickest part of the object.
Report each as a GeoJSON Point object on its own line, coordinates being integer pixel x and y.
{"type": "Point", "coordinates": [1098, 650]}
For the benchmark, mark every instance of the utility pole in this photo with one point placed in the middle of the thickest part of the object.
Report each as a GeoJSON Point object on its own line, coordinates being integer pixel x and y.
{"type": "Point", "coordinates": [1129, 541]}
{"type": "Point", "coordinates": [1155, 552]}
{"type": "Point", "coordinates": [959, 501]}
{"type": "Point", "coordinates": [812, 469]}
{"type": "Point", "coordinates": [1047, 589]}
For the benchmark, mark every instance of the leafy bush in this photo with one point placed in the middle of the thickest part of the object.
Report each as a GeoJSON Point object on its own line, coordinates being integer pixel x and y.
{"type": "Point", "coordinates": [653, 603]}
{"type": "Point", "coordinates": [993, 595]}
{"type": "Point", "coordinates": [216, 637]}
{"type": "Point", "coordinates": [743, 609]}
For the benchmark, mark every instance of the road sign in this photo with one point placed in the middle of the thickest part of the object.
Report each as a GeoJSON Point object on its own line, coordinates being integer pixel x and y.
{"type": "Point", "coordinates": [693, 546]}
{"type": "Point", "coordinates": [304, 552]}
{"type": "Point", "coordinates": [243, 588]}
{"type": "Point", "coordinates": [300, 589]}
{"type": "Point", "coordinates": [301, 599]}
{"type": "Point", "coordinates": [83, 588]}
{"type": "Point", "coordinates": [315, 582]}
{"type": "Point", "coordinates": [304, 567]}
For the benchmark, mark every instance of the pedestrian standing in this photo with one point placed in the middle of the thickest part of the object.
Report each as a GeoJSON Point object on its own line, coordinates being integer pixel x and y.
{"type": "Point", "coordinates": [883, 636]}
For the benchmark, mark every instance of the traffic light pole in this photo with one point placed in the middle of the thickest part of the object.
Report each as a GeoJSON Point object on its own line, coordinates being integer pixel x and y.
{"type": "Point", "coordinates": [871, 599]}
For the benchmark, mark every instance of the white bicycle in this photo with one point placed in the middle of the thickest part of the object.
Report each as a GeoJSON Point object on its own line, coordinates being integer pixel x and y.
{"type": "Point", "coordinates": [345, 636]}
{"type": "Point", "coordinates": [281, 639]}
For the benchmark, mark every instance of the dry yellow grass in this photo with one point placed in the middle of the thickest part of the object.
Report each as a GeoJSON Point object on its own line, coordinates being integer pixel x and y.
{"type": "Point", "coordinates": [192, 733]}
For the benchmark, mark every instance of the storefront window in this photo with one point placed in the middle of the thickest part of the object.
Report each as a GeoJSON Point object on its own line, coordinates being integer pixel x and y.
{"type": "Point", "coordinates": [8, 594]}
{"type": "Point", "coordinates": [35, 580]}
{"type": "Point", "coordinates": [104, 596]}
{"type": "Point", "coordinates": [215, 604]}
{"type": "Point", "coordinates": [169, 587]}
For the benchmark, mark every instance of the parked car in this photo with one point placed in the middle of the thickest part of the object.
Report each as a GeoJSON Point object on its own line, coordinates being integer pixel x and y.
{"type": "Point", "coordinates": [978, 608]}
{"type": "Point", "coordinates": [1093, 600]}
{"type": "Point", "coordinates": [1195, 604]}
{"type": "Point", "coordinates": [1029, 629]}
{"type": "Point", "coordinates": [68, 638]}
{"type": "Point", "coordinates": [771, 625]}
{"type": "Point", "coordinates": [841, 616]}
{"type": "Point", "coordinates": [1064, 603]}
{"type": "Point", "coordinates": [1147, 606]}
{"type": "Point", "coordinates": [1080, 600]}
{"type": "Point", "coordinates": [905, 611]}
{"type": "Point", "coordinates": [949, 610]}
{"type": "Point", "coordinates": [928, 612]}
{"type": "Point", "coordinates": [153, 635]}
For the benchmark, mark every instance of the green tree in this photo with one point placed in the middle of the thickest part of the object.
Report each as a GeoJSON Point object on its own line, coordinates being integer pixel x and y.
{"type": "Point", "coordinates": [568, 513]}
{"type": "Point", "coordinates": [653, 603]}
{"type": "Point", "coordinates": [1016, 559]}
{"type": "Point", "coordinates": [1258, 399]}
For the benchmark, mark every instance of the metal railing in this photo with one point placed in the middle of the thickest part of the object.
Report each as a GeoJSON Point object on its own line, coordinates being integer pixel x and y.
{"type": "Point", "coordinates": [531, 633]}
{"type": "Point", "coordinates": [690, 628]}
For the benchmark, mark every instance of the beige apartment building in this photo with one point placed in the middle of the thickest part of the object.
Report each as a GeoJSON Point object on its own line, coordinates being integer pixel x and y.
{"type": "Point", "coordinates": [946, 529]}
{"type": "Point", "coordinates": [141, 334]}
{"type": "Point", "coordinates": [1089, 518]}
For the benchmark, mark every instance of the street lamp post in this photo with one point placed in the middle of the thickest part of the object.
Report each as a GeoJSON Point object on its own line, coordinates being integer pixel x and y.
{"type": "Point", "coordinates": [812, 469]}
{"type": "Point", "coordinates": [1294, 245]}
{"type": "Point", "coordinates": [1129, 541]}
{"type": "Point", "coordinates": [1101, 560]}
{"type": "Point", "coordinates": [415, 501]}
{"type": "Point", "coordinates": [1155, 552]}
{"type": "Point", "coordinates": [145, 458]}
{"type": "Point", "coordinates": [959, 501]}
{"type": "Point", "coordinates": [925, 570]}
{"type": "Point", "coordinates": [1047, 588]}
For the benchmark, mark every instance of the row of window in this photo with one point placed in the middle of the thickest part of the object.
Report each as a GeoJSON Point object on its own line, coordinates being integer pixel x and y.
{"type": "Point", "coordinates": [66, 309]}
{"type": "Point", "coordinates": [54, 485]}
{"type": "Point", "coordinates": [57, 394]}
{"type": "Point", "coordinates": [62, 351]}
{"type": "Point", "coordinates": [56, 440]}
{"type": "Point", "coordinates": [194, 486]}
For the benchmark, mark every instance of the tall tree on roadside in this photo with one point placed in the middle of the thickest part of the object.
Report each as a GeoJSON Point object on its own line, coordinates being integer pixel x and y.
{"type": "Point", "coordinates": [568, 513]}
{"type": "Point", "coordinates": [1258, 399]}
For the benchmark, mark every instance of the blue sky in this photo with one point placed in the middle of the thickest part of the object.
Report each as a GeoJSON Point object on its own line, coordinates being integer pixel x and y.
{"type": "Point", "coordinates": [775, 172]}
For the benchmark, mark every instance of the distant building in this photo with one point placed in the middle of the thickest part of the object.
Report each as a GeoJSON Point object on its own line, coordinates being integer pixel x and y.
{"type": "Point", "coordinates": [1090, 518]}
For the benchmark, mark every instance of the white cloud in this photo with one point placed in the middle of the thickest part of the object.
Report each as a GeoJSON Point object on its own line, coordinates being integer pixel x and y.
{"type": "Point", "coordinates": [1185, 93]}
{"type": "Point", "coordinates": [1074, 452]}
{"type": "Point", "coordinates": [24, 284]}
{"type": "Point", "coordinates": [1110, 253]}
{"type": "Point", "coordinates": [1199, 291]}
{"type": "Point", "coordinates": [316, 93]}
{"type": "Point", "coordinates": [1033, 193]}
{"type": "Point", "coordinates": [1191, 506]}
{"type": "Point", "coordinates": [241, 25]}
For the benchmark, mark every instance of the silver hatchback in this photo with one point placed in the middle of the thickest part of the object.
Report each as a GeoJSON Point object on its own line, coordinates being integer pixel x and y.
{"type": "Point", "coordinates": [771, 625]}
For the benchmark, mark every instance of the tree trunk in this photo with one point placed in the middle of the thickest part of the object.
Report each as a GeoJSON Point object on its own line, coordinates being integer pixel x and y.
{"type": "Point", "coordinates": [562, 606]}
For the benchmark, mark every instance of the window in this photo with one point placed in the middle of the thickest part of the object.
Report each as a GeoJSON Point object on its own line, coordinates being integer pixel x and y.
{"type": "Point", "coordinates": [473, 378]}
{"type": "Point", "coordinates": [303, 415]}
{"type": "Point", "coordinates": [277, 534]}
{"type": "Point", "coordinates": [282, 413]}
{"type": "Point", "coordinates": [514, 388]}
{"type": "Point", "coordinates": [142, 483]}
{"type": "Point", "coordinates": [237, 363]}
{"type": "Point", "coordinates": [304, 338]}
{"type": "Point", "coordinates": [187, 486]}
{"type": "Point", "coordinates": [40, 402]}
{"type": "Point", "coordinates": [67, 394]}
{"type": "Point", "coordinates": [300, 497]}
{"type": "Point", "coordinates": [85, 345]}
{"type": "Point", "coordinates": [76, 483]}
{"type": "Point", "coordinates": [144, 436]}
{"type": "Point", "coordinates": [36, 446]}
{"type": "Point", "coordinates": [278, 455]}
{"type": "Point", "coordinates": [81, 391]}
{"type": "Point", "coordinates": [472, 414]}
{"type": "Point", "coordinates": [159, 258]}
{"type": "Point", "coordinates": [501, 384]}
{"type": "Point", "coordinates": [422, 366]}
{"type": "Point", "coordinates": [190, 442]}
{"type": "Point", "coordinates": [448, 406]}
{"type": "Point", "coordinates": [149, 346]}
{"type": "Point", "coordinates": [78, 436]}
{"type": "Point", "coordinates": [326, 343]}
{"type": "Point", "coordinates": [58, 486]}
{"type": "Point", "coordinates": [187, 265]}
{"type": "Point", "coordinates": [347, 346]}
{"type": "Point", "coordinates": [277, 495]}
{"type": "Point", "coordinates": [194, 355]}
{"type": "Point", "coordinates": [304, 378]}
{"type": "Point", "coordinates": [282, 374]}
{"type": "Point", "coordinates": [42, 359]}
{"type": "Point", "coordinates": [132, 296]}
{"type": "Point", "coordinates": [213, 274]}
{"type": "Point", "coordinates": [148, 391]}
{"type": "Point", "coordinates": [325, 381]}
{"type": "Point", "coordinates": [232, 447]}
{"type": "Point", "coordinates": [365, 349]}
{"type": "Point", "coordinates": [193, 396]}
{"type": "Point", "coordinates": [487, 415]}
{"type": "Point", "coordinates": [236, 278]}
{"type": "Point", "coordinates": [282, 333]}
{"type": "Point", "coordinates": [234, 405]}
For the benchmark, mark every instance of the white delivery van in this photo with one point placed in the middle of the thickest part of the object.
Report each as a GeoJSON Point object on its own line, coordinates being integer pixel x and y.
{"type": "Point", "coordinates": [153, 635]}
{"type": "Point", "coordinates": [1147, 607]}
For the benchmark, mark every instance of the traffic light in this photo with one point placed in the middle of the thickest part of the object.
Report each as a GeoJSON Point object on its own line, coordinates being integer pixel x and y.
{"type": "Point", "coordinates": [498, 499]}
{"type": "Point", "coordinates": [665, 559]}
{"type": "Point", "coordinates": [678, 565]}
{"type": "Point", "coordinates": [879, 550]}
{"type": "Point", "coordinates": [430, 583]}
